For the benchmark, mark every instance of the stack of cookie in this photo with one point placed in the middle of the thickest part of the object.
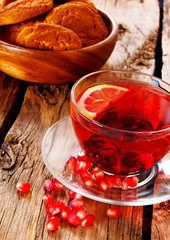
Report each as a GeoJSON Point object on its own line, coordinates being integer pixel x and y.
{"type": "Point", "coordinates": [43, 24]}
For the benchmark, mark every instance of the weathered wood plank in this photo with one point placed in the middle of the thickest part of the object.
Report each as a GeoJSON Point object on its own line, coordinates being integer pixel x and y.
{"type": "Point", "coordinates": [166, 41]}
{"type": "Point", "coordinates": [161, 212]}
{"type": "Point", "coordinates": [129, 224]}
{"type": "Point", "coordinates": [138, 31]}
{"type": "Point", "coordinates": [25, 139]}
{"type": "Point", "coordinates": [11, 94]}
{"type": "Point", "coordinates": [161, 221]}
{"type": "Point", "coordinates": [22, 216]}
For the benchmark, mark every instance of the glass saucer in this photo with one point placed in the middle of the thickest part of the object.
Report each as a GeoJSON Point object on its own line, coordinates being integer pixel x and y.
{"type": "Point", "coordinates": [60, 142]}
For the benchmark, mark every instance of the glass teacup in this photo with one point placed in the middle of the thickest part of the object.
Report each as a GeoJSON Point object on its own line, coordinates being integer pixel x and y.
{"type": "Point", "coordinates": [129, 132]}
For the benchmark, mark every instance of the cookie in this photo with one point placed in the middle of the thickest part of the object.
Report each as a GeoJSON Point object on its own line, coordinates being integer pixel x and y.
{"type": "Point", "coordinates": [5, 2]}
{"type": "Point", "coordinates": [81, 19]}
{"type": "Point", "coordinates": [84, 1]}
{"type": "Point", "coordinates": [10, 32]}
{"type": "Point", "coordinates": [21, 10]}
{"type": "Point", "coordinates": [49, 37]}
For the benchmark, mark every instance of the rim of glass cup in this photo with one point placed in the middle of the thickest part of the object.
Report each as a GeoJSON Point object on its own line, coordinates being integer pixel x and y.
{"type": "Point", "coordinates": [111, 129]}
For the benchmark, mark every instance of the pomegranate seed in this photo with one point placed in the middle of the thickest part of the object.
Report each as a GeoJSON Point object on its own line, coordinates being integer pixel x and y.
{"type": "Point", "coordinates": [88, 182]}
{"type": "Point", "coordinates": [60, 204]}
{"type": "Point", "coordinates": [48, 185]}
{"type": "Point", "coordinates": [88, 165]}
{"type": "Point", "coordinates": [52, 210]}
{"type": "Point", "coordinates": [88, 220]}
{"type": "Point", "coordinates": [118, 180]}
{"type": "Point", "coordinates": [82, 166]}
{"type": "Point", "coordinates": [71, 194]}
{"type": "Point", "coordinates": [72, 163]}
{"type": "Point", "coordinates": [65, 213]}
{"type": "Point", "coordinates": [23, 186]}
{"type": "Point", "coordinates": [97, 175]}
{"type": "Point", "coordinates": [110, 180]}
{"type": "Point", "coordinates": [80, 212]}
{"type": "Point", "coordinates": [133, 181]}
{"type": "Point", "coordinates": [82, 156]}
{"type": "Point", "coordinates": [78, 196]}
{"type": "Point", "coordinates": [113, 212]}
{"type": "Point", "coordinates": [75, 195]}
{"type": "Point", "coordinates": [76, 203]}
{"type": "Point", "coordinates": [103, 185]}
{"type": "Point", "coordinates": [52, 224]}
{"type": "Point", "coordinates": [49, 199]}
{"type": "Point", "coordinates": [74, 219]}
{"type": "Point", "coordinates": [55, 208]}
{"type": "Point", "coordinates": [86, 173]}
{"type": "Point", "coordinates": [125, 183]}
{"type": "Point", "coordinates": [95, 169]}
{"type": "Point", "coordinates": [57, 185]}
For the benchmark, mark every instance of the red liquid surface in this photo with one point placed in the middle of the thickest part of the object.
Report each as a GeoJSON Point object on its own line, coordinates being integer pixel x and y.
{"type": "Point", "coordinates": [142, 108]}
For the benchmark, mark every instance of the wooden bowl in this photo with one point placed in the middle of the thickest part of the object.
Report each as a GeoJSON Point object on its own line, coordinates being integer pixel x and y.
{"type": "Point", "coordinates": [54, 67]}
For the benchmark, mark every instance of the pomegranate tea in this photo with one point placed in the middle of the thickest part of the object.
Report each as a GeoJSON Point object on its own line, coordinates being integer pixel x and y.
{"type": "Point", "coordinates": [122, 125]}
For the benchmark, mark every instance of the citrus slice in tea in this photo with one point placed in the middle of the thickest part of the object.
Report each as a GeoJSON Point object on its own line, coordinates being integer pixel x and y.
{"type": "Point", "coordinates": [97, 99]}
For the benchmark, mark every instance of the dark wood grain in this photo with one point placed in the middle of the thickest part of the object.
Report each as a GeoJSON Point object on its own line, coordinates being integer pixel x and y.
{"type": "Point", "coordinates": [11, 96]}
{"type": "Point", "coordinates": [24, 140]}
{"type": "Point", "coordinates": [160, 221]}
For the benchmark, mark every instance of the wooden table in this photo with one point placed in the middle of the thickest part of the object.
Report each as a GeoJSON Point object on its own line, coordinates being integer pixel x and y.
{"type": "Point", "coordinates": [27, 110]}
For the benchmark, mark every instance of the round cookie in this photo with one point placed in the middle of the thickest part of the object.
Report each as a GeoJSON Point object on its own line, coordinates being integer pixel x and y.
{"type": "Point", "coordinates": [6, 2]}
{"type": "Point", "coordinates": [64, 1]}
{"type": "Point", "coordinates": [21, 10]}
{"type": "Point", "coordinates": [81, 19]}
{"type": "Point", "coordinates": [10, 32]}
{"type": "Point", "coordinates": [49, 37]}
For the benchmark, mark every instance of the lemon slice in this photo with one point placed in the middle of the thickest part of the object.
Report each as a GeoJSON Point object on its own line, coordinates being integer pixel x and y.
{"type": "Point", "coordinates": [97, 99]}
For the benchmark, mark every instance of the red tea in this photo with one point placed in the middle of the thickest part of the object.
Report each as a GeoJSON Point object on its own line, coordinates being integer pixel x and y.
{"type": "Point", "coordinates": [123, 135]}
